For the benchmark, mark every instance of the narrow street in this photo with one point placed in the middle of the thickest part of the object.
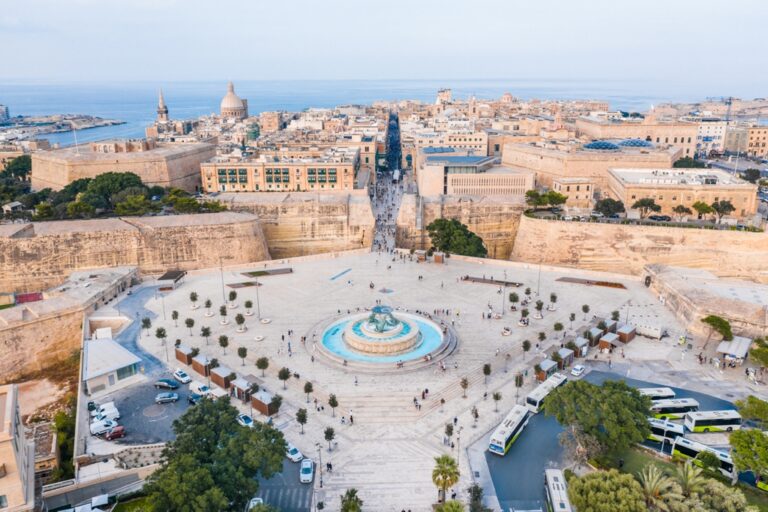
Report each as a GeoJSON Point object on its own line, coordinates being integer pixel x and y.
{"type": "Point", "coordinates": [388, 192]}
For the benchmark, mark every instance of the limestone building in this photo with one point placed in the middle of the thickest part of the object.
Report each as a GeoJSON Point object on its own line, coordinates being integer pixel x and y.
{"type": "Point", "coordinates": [672, 187]}
{"type": "Point", "coordinates": [579, 191]}
{"type": "Point", "coordinates": [471, 175]}
{"type": "Point", "coordinates": [17, 456]}
{"type": "Point", "coordinates": [757, 141]}
{"type": "Point", "coordinates": [232, 106]}
{"type": "Point", "coordinates": [682, 135]}
{"type": "Point", "coordinates": [167, 165]}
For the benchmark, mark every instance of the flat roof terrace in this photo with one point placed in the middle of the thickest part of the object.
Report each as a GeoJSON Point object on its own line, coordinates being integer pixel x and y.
{"type": "Point", "coordinates": [677, 177]}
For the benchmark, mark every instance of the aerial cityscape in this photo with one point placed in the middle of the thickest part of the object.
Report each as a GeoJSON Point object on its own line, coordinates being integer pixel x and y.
{"type": "Point", "coordinates": [315, 256]}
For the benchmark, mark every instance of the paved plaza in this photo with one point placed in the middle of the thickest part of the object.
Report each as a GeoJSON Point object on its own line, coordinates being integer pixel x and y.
{"type": "Point", "coordinates": [387, 454]}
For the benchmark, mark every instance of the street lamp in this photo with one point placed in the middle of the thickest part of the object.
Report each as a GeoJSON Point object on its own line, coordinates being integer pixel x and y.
{"type": "Point", "coordinates": [320, 462]}
{"type": "Point", "coordinates": [458, 447]}
{"type": "Point", "coordinates": [221, 273]}
{"type": "Point", "coordinates": [258, 305]}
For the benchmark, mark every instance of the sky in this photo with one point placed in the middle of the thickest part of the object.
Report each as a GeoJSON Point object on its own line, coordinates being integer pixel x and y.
{"type": "Point", "coordinates": [679, 41]}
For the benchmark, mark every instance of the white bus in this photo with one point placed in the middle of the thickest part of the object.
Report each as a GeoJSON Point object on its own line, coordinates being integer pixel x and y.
{"type": "Point", "coordinates": [536, 397]}
{"type": "Point", "coordinates": [557, 491]}
{"type": "Point", "coordinates": [691, 449]}
{"type": "Point", "coordinates": [508, 431]}
{"type": "Point", "coordinates": [674, 408]}
{"type": "Point", "coordinates": [712, 421]}
{"type": "Point", "coordinates": [664, 430]}
{"type": "Point", "coordinates": [657, 393]}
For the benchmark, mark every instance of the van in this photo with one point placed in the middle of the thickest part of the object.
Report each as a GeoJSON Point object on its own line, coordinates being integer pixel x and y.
{"type": "Point", "coordinates": [107, 414]}
{"type": "Point", "coordinates": [101, 408]}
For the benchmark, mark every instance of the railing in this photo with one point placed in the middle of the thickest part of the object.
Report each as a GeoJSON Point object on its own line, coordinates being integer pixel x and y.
{"type": "Point", "coordinates": [59, 485]}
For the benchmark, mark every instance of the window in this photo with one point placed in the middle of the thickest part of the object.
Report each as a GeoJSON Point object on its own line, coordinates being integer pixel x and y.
{"type": "Point", "coordinates": [3, 501]}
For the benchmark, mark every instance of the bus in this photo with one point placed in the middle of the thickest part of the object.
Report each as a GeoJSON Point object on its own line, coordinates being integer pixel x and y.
{"type": "Point", "coordinates": [674, 408]}
{"type": "Point", "coordinates": [691, 449]}
{"type": "Point", "coordinates": [557, 491]}
{"type": "Point", "coordinates": [657, 393]}
{"type": "Point", "coordinates": [536, 397]}
{"type": "Point", "coordinates": [712, 421]}
{"type": "Point", "coordinates": [509, 430]}
{"type": "Point", "coordinates": [396, 176]}
{"type": "Point", "coordinates": [664, 430]}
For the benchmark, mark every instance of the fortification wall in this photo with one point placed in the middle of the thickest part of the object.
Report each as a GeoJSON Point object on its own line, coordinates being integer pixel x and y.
{"type": "Point", "coordinates": [495, 220]}
{"type": "Point", "coordinates": [303, 223]}
{"type": "Point", "coordinates": [627, 249]}
{"type": "Point", "coordinates": [40, 255]}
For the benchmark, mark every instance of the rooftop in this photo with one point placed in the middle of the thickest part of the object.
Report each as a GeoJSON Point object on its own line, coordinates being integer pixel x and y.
{"type": "Point", "coordinates": [675, 177]}
{"type": "Point", "coordinates": [83, 153]}
{"type": "Point", "coordinates": [463, 160]}
{"type": "Point", "coordinates": [105, 356]}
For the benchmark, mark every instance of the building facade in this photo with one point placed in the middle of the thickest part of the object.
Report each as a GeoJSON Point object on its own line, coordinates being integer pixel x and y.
{"type": "Point", "coordinates": [471, 175]}
{"type": "Point", "coordinates": [579, 191]}
{"type": "Point", "coordinates": [682, 135]}
{"type": "Point", "coordinates": [757, 141]}
{"type": "Point", "coordinates": [17, 456]}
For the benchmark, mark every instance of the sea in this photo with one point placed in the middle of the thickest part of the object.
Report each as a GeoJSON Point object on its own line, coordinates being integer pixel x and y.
{"type": "Point", "coordinates": [135, 102]}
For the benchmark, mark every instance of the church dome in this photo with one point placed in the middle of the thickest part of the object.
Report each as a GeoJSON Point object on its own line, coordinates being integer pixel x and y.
{"type": "Point", "coordinates": [231, 102]}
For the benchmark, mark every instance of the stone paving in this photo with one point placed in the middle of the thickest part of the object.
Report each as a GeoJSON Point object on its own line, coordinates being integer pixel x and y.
{"type": "Point", "coordinates": [388, 453]}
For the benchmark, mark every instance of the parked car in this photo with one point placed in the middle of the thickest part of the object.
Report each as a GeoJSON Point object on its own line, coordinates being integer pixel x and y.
{"type": "Point", "coordinates": [577, 370]}
{"type": "Point", "coordinates": [597, 215]}
{"type": "Point", "coordinates": [252, 504]}
{"type": "Point", "coordinates": [99, 427]}
{"type": "Point", "coordinates": [567, 217]}
{"type": "Point", "coordinates": [293, 453]}
{"type": "Point", "coordinates": [181, 376]}
{"type": "Point", "coordinates": [199, 388]}
{"type": "Point", "coordinates": [193, 398]}
{"type": "Point", "coordinates": [307, 471]}
{"type": "Point", "coordinates": [98, 409]}
{"type": "Point", "coordinates": [245, 420]}
{"type": "Point", "coordinates": [660, 218]}
{"type": "Point", "coordinates": [114, 433]}
{"type": "Point", "coordinates": [166, 384]}
{"type": "Point", "coordinates": [164, 398]}
{"type": "Point", "coordinates": [614, 216]}
{"type": "Point", "coordinates": [107, 414]}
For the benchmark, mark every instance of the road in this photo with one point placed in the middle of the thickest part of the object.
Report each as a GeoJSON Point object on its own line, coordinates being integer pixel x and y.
{"type": "Point", "coordinates": [284, 491]}
{"type": "Point", "coordinates": [388, 195]}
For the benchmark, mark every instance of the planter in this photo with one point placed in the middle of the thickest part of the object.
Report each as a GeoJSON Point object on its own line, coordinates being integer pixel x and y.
{"type": "Point", "coordinates": [232, 306]}
{"type": "Point", "coordinates": [241, 329]}
{"type": "Point", "coordinates": [259, 338]}
{"type": "Point", "coordinates": [224, 322]}
{"type": "Point", "coordinates": [249, 313]}
{"type": "Point", "coordinates": [208, 314]}
{"type": "Point", "coordinates": [194, 307]}
{"type": "Point", "coordinates": [265, 320]}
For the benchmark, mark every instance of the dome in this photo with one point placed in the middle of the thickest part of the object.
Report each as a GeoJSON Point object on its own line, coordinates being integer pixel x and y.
{"type": "Point", "coordinates": [635, 143]}
{"type": "Point", "coordinates": [231, 101]}
{"type": "Point", "coordinates": [601, 145]}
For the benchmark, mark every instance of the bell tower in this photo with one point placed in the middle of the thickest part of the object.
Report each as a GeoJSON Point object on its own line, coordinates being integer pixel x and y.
{"type": "Point", "coordinates": [162, 110]}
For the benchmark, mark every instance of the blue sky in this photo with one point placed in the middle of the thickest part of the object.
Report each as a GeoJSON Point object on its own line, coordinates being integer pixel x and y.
{"type": "Point", "coordinates": [679, 41]}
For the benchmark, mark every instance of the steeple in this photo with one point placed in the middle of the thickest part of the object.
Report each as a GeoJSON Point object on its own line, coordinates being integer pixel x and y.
{"type": "Point", "coordinates": [162, 110]}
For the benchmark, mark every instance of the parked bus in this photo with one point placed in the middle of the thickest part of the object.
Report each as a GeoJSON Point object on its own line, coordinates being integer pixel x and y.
{"type": "Point", "coordinates": [508, 431]}
{"type": "Point", "coordinates": [557, 491]}
{"type": "Point", "coordinates": [691, 449]}
{"type": "Point", "coordinates": [657, 393]}
{"type": "Point", "coordinates": [712, 421]}
{"type": "Point", "coordinates": [674, 408]}
{"type": "Point", "coordinates": [664, 430]}
{"type": "Point", "coordinates": [536, 397]}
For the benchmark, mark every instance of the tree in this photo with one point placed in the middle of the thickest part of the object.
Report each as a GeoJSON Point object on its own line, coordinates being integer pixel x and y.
{"type": "Point", "coordinates": [539, 307]}
{"type": "Point", "coordinates": [134, 205]}
{"type": "Point", "coordinates": [534, 199]}
{"type": "Point", "coordinates": [101, 190]}
{"type": "Point", "coordinates": [751, 175]}
{"type": "Point", "coordinates": [553, 298]}
{"type": "Point", "coordinates": [351, 502]}
{"type": "Point", "coordinates": [585, 310]}
{"type": "Point", "coordinates": [702, 208]}
{"type": "Point", "coordinates": [80, 210]}
{"type": "Point", "coordinates": [193, 297]}
{"type": "Point", "coordinates": [609, 207]}
{"type": "Point", "coordinates": [615, 316]}
{"type": "Point", "coordinates": [759, 352]}
{"type": "Point", "coordinates": [719, 497]}
{"type": "Point", "coordinates": [606, 491]}
{"type": "Point", "coordinates": [613, 413]}
{"type": "Point", "coordinates": [542, 336]}
{"type": "Point", "coordinates": [571, 318]}
{"type": "Point", "coordinates": [205, 332]}
{"type": "Point", "coordinates": [213, 463]}
{"type": "Point", "coordinates": [681, 211]}
{"type": "Point", "coordinates": [496, 398]}
{"type": "Point", "coordinates": [524, 313]}
{"type": "Point", "coordinates": [448, 430]}
{"type": "Point", "coordinates": [486, 372]}
{"type": "Point", "coordinates": [284, 374]}
{"type": "Point", "coordinates": [750, 452]}
{"type": "Point", "coordinates": [464, 383]}
{"type": "Point", "coordinates": [44, 211]}
{"type": "Point", "coordinates": [146, 323]}
{"type": "Point", "coordinates": [708, 460]}
{"type": "Point", "coordinates": [18, 167]}
{"type": "Point", "coordinates": [308, 389]}
{"type": "Point", "coordinates": [658, 489]}
{"type": "Point", "coordinates": [232, 296]}
{"type": "Point", "coordinates": [476, 499]}
{"type": "Point", "coordinates": [161, 334]}
{"type": "Point", "coordinates": [514, 298]}
{"type": "Point", "coordinates": [301, 418]}
{"type": "Point", "coordinates": [689, 163]}
{"type": "Point", "coordinates": [558, 327]}
{"type": "Point", "coordinates": [240, 321]}
{"type": "Point", "coordinates": [690, 479]}
{"type": "Point", "coordinates": [242, 353]}
{"type": "Point", "coordinates": [646, 205]}
{"type": "Point", "coordinates": [262, 364]}
{"type": "Point", "coordinates": [445, 474]}
{"type": "Point", "coordinates": [333, 403]}
{"type": "Point", "coordinates": [526, 347]}
{"type": "Point", "coordinates": [719, 325]}
{"type": "Point", "coordinates": [602, 325]}
{"type": "Point", "coordinates": [175, 318]}
{"type": "Point", "coordinates": [451, 506]}
{"type": "Point", "coordinates": [223, 313]}
{"type": "Point", "coordinates": [248, 306]}
{"type": "Point", "coordinates": [330, 434]}
{"type": "Point", "coordinates": [190, 323]}
{"type": "Point", "coordinates": [451, 236]}
{"type": "Point", "coordinates": [276, 402]}
{"type": "Point", "coordinates": [754, 409]}
{"type": "Point", "coordinates": [722, 209]}
{"type": "Point", "coordinates": [579, 445]}
{"type": "Point", "coordinates": [224, 342]}
{"type": "Point", "coordinates": [208, 305]}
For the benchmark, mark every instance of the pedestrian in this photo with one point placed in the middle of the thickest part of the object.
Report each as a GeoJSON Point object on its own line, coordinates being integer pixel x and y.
{"type": "Point", "coordinates": [351, 420]}
{"type": "Point", "coordinates": [355, 380]}
{"type": "Point", "coordinates": [455, 421]}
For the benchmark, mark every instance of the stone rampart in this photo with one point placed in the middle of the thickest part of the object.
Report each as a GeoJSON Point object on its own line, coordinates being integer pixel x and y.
{"type": "Point", "coordinates": [628, 248]}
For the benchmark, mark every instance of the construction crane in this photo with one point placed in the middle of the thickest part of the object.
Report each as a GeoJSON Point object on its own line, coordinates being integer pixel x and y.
{"type": "Point", "coordinates": [728, 101]}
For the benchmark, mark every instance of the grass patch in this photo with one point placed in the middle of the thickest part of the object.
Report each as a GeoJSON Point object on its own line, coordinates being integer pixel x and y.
{"type": "Point", "coordinates": [136, 505]}
{"type": "Point", "coordinates": [755, 496]}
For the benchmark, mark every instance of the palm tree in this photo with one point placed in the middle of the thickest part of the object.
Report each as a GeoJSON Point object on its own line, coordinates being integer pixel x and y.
{"type": "Point", "coordinates": [658, 489]}
{"type": "Point", "coordinates": [351, 502]}
{"type": "Point", "coordinates": [205, 332]}
{"type": "Point", "coordinates": [690, 479]}
{"type": "Point", "coordinates": [451, 506]}
{"type": "Point", "coordinates": [193, 299]}
{"type": "Point", "coordinates": [445, 474]}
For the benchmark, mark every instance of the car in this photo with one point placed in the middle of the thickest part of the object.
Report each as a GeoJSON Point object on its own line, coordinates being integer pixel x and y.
{"type": "Point", "coordinates": [577, 370]}
{"type": "Point", "coordinates": [660, 218]}
{"type": "Point", "coordinates": [107, 414]}
{"type": "Point", "coordinates": [200, 388]}
{"type": "Point", "coordinates": [614, 216]}
{"type": "Point", "coordinates": [182, 376]}
{"type": "Point", "coordinates": [293, 453]}
{"type": "Point", "coordinates": [99, 427]}
{"type": "Point", "coordinates": [193, 398]}
{"type": "Point", "coordinates": [245, 420]}
{"type": "Point", "coordinates": [98, 409]}
{"type": "Point", "coordinates": [114, 433]}
{"type": "Point", "coordinates": [166, 384]}
{"type": "Point", "coordinates": [567, 217]}
{"type": "Point", "coordinates": [597, 215]}
{"type": "Point", "coordinates": [307, 471]}
{"type": "Point", "coordinates": [165, 398]}
{"type": "Point", "coordinates": [252, 504]}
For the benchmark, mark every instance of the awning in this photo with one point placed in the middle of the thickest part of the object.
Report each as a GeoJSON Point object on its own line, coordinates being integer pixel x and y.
{"type": "Point", "coordinates": [737, 348]}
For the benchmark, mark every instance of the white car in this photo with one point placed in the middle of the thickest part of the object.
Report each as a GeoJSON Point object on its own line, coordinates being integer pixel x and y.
{"type": "Point", "coordinates": [307, 471]}
{"type": "Point", "coordinates": [577, 370]}
{"type": "Point", "coordinates": [182, 376]}
{"type": "Point", "coordinates": [100, 427]}
{"type": "Point", "coordinates": [245, 420]}
{"type": "Point", "coordinates": [293, 453]}
{"type": "Point", "coordinates": [252, 504]}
